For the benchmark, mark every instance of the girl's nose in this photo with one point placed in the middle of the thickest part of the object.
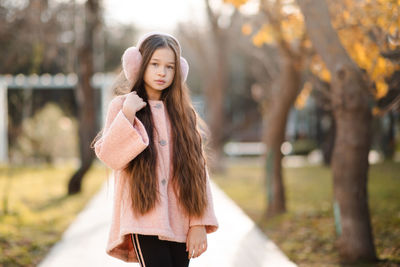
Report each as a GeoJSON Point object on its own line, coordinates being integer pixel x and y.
{"type": "Point", "coordinates": [162, 71]}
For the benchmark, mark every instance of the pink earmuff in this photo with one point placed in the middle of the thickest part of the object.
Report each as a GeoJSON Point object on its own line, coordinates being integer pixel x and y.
{"type": "Point", "coordinates": [132, 58]}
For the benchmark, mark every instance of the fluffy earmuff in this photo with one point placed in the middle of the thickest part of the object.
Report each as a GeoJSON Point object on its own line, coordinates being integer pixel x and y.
{"type": "Point", "coordinates": [132, 59]}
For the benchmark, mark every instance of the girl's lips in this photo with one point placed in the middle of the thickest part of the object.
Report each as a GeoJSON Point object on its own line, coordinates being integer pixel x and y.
{"type": "Point", "coordinates": [160, 81]}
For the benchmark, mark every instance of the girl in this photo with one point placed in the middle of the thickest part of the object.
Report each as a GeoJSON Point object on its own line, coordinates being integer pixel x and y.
{"type": "Point", "coordinates": [163, 206]}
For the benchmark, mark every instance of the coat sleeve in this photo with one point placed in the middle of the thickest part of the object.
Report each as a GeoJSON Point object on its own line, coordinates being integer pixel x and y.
{"type": "Point", "coordinates": [121, 140]}
{"type": "Point", "coordinates": [208, 219]}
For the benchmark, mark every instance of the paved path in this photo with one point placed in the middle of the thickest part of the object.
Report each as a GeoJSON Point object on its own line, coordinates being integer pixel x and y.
{"type": "Point", "coordinates": [237, 243]}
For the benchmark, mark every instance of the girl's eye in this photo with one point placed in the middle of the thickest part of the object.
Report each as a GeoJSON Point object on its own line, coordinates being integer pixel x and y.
{"type": "Point", "coordinates": [171, 67]}
{"type": "Point", "coordinates": [154, 64]}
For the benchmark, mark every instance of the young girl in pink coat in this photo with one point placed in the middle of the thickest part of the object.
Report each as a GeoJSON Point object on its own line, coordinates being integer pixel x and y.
{"type": "Point", "coordinates": [163, 207]}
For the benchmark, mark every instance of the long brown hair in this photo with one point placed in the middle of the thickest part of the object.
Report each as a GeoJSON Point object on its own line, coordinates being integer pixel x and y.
{"type": "Point", "coordinates": [188, 161]}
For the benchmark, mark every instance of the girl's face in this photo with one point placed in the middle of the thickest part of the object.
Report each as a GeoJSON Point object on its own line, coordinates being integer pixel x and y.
{"type": "Point", "coordinates": [160, 72]}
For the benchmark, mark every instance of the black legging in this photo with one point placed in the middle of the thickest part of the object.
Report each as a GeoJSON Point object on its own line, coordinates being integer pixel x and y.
{"type": "Point", "coordinates": [153, 252]}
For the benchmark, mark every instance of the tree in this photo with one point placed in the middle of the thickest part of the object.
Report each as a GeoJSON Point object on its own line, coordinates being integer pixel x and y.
{"type": "Point", "coordinates": [350, 98]}
{"type": "Point", "coordinates": [212, 56]}
{"type": "Point", "coordinates": [85, 94]}
{"type": "Point", "coordinates": [215, 89]}
{"type": "Point", "coordinates": [241, 112]}
{"type": "Point", "coordinates": [292, 49]}
{"type": "Point", "coordinates": [369, 32]}
{"type": "Point", "coordinates": [35, 37]}
{"type": "Point", "coordinates": [375, 46]}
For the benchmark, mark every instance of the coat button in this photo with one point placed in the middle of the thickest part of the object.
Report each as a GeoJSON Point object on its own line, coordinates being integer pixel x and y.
{"type": "Point", "coordinates": [163, 142]}
{"type": "Point", "coordinates": [158, 105]}
{"type": "Point", "coordinates": [163, 181]}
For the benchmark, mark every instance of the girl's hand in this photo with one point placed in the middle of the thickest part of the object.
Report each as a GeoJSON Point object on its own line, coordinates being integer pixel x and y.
{"type": "Point", "coordinates": [196, 242]}
{"type": "Point", "coordinates": [132, 104]}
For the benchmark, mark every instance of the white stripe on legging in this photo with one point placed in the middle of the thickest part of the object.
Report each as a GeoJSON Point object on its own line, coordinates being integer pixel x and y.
{"type": "Point", "coordinates": [135, 241]}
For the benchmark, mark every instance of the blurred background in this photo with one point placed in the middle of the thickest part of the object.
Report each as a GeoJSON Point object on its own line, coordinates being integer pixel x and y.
{"type": "Point", "coordinates": [302, 99]}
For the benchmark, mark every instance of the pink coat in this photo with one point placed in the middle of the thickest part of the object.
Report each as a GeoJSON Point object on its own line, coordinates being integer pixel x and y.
{"type": "Point", "coordinates": [120, 143]}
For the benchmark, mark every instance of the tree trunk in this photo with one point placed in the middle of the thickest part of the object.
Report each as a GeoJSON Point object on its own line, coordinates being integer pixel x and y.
{"type": "Point", "coordinates": [388, 140]}
{"type": "Point", "coordinates": [216, 112]}
{"type": "Point", "coordinates": [274, 134]}
{"type": "Point", "coordinates": [329, 143]}
{"type": "Point", "coordinates": [215, 91]}
{"type": "Point", "coordinates": [350, 100]}
{"type": "Point", "coordinates": [85, 96]}
{"type": "Point", "coordinates": [328, 139]}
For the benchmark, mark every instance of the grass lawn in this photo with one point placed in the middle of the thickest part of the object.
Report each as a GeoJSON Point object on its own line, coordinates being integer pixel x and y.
{"type": "Point", "coordinates": [35, 210]}
{"type": "Point", "coordinates": [306, 233]}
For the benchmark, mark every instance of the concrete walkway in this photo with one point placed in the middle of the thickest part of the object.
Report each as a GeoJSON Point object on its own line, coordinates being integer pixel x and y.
{"type": "Point", "coordinates": [237, 243]}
